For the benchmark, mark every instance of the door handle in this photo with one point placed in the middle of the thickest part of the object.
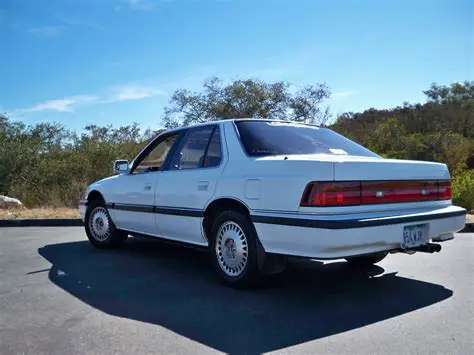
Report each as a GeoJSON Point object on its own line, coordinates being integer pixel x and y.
{"type": "Point", "coordinates": [147, 187]}
{"type": "Point", "coordinates": [203, 185]}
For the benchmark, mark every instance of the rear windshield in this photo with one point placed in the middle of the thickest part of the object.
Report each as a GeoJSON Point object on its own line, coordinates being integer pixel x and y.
{"type": "Point", "coordinates": [261, 138]}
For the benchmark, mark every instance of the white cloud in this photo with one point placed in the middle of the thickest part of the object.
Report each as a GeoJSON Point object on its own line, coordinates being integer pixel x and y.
{"type": "Point", "coordinates": [64, 105]}
{"type": "Point", "coordinates": [134, 92]}
{"type": "Point", "coordinates": [341, 94]}
{"type": "Point", "coordinates": [46, 31]}
{"type": "Point", "coordinates": [121, 93]}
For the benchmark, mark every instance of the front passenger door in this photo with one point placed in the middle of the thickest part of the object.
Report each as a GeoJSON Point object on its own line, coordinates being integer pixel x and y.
{"type": "Point", "coordinates": [135, 197]}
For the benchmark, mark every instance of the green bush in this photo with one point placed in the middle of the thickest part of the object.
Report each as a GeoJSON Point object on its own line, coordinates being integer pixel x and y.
{"type": "Point", "coordinates": [463, 189]}
{"type": "Point", "coordinates": [48, 165]}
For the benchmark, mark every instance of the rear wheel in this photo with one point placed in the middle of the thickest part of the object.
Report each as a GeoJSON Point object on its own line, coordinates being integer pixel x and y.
{"type": "Point", "coordinates": [100, 229]}
{"type": "Point", "coordinates": [366, 260]}
{"type": "Point", "coordinates": [233, 249]}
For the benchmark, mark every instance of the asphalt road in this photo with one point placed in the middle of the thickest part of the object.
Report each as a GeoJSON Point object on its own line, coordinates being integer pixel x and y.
{"type": "Point", "coordinates": [59, 295]}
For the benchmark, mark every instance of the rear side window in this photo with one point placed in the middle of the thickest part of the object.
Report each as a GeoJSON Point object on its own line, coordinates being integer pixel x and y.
{"type": "Point", "coordinates": [192, 151]}
{"type": "Point", "coordinates": [261, 138]}
{"type": "Point", "coordinates": [213, 155]}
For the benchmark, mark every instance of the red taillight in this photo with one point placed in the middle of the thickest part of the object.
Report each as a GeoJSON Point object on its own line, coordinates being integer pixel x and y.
{"type": "Point", "coordinates": [397, 192]}
{"type": "Point", "coordinates": [324, 194]}
{"type": "Point", "coordinates": [331, 194]}
{"type": "Point", "coordinates": [444, 190]}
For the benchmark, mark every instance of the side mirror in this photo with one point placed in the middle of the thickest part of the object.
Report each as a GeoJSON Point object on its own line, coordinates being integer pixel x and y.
{"type": "Point", "coordinates": [121, 166]}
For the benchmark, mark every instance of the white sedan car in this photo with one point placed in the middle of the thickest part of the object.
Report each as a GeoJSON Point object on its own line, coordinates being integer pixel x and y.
{"type": "Point", "coordinates": [257, 191]}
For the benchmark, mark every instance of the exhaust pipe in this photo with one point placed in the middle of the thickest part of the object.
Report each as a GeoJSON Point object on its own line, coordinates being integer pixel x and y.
{"type": "Point", "coordinates": [428, 248]}
{"type": "Point", "coordinates": [425, 248]}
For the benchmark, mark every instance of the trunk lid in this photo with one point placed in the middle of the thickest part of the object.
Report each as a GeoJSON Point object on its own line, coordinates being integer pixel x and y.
{"type": "Point", "coordinates": [356, 168]}
{"type": "Point", "coordinates": [377, 169]}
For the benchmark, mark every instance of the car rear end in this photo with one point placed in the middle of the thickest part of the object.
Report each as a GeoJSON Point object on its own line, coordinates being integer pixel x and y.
{"type": "Point", "coordinates": [348, 218]}
{"type": "Point", "coordinates": [370, 205]}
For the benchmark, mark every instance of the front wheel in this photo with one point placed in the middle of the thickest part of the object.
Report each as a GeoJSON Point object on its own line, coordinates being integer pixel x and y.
{"type": "Point", "coordinates": [233, 249]}
{"type": "Point", "coordinates": [366, 260]}
{"type": "Point", "coordinates": [100, 229]}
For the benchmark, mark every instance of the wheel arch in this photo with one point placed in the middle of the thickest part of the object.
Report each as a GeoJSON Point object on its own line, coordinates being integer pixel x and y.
{"type": "Point", "coordinates": [266, 262]}
{"type": "Point", "coordinates": [95, 195]}
{"type": "Point", "coordinates": [222, 204]}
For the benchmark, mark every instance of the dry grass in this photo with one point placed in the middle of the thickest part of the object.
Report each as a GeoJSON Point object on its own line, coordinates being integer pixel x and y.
{"type": "Point", "coordinates": [470, 218]}
{"type": "Point", "coordinates": [40, 213]}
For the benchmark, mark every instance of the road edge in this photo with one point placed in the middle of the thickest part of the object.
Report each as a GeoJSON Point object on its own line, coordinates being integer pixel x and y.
{"type": "Point", "coordinates": [468, 228]}
{"type": "Point", "coordinates": [63, 222]}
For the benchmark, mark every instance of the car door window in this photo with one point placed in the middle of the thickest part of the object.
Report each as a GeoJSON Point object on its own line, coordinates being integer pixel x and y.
{"type": "Point", "coordinates": [190, 154]}
{"type": "Point", "coordinates": [213, 154]}
{"type": "Point", "coordinates": [157, 156]}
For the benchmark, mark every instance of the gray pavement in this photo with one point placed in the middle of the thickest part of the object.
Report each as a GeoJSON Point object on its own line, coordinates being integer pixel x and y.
{"type": "Point", "coordinates": [59, 295]}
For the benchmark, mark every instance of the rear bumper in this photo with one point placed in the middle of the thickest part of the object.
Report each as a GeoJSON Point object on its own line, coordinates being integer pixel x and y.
{"type": "Point", "coordinates": [338, 236]}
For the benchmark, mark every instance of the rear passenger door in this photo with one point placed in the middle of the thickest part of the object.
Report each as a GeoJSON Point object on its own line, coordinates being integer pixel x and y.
{"type": "Point", "coordinates": [188, 183]}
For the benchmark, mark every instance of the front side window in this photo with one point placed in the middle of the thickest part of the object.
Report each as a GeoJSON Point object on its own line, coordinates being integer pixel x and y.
{"type": "Point", "coordinates": [157, 156]}
{"type": "Point", "coordinates": [192, 151]}
{"type": "Point", "coordinates": [262, 138]}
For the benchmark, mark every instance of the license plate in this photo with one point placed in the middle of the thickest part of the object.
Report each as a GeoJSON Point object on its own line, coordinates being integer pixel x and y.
{"type": "Point", "coordinates": [413, 236]}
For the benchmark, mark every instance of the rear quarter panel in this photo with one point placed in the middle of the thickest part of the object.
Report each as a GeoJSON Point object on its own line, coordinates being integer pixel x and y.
{"type": "Point", "coordinates": [270, 185]}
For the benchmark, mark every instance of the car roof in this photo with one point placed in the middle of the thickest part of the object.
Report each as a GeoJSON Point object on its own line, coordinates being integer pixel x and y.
{"type": "Point", "coordinates": [229, 121]}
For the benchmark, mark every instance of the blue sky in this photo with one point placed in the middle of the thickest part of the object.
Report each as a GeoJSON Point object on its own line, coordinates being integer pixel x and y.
{"type": "Point", "coordinates": [116, 62]}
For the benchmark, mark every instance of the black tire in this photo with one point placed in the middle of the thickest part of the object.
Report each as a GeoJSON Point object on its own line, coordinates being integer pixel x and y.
{"type": "Point", "coordinates": [113, 238]}
{"type": "Point", "coordinates": [366, 260]}
{"type": "Point", "coordinates": [248, 274]}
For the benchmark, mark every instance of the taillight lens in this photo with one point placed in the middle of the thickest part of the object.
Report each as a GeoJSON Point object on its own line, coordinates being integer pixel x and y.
{"type": "Point", "coordinates": [332, 194]}
{"type": "Point", "coordinates": [397, 192]}
{"type": "Point", "coordinates": [325, 194]}
{"type": "Point", "coordinates": [444, 190]}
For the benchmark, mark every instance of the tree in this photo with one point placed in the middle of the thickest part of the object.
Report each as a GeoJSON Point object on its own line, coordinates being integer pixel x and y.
{"type": "Point", "coordinates": [441, 130]}
{"type": "Point", "coordinates": [454, 106]}
{"type": "Point", "coordinates": [389, 139]}
{"type": "Point", "coordinates": [46, 164]}
{"type": "Point", "coordinates": [247, 98]}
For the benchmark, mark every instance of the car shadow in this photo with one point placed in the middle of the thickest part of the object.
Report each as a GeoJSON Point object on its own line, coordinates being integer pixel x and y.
{"type": "Point", "coordinates": [177, 288]}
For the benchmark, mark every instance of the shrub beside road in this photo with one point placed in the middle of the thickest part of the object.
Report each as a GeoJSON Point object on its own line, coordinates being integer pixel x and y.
{"type": "Point", "coordinates": [48, 165]}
